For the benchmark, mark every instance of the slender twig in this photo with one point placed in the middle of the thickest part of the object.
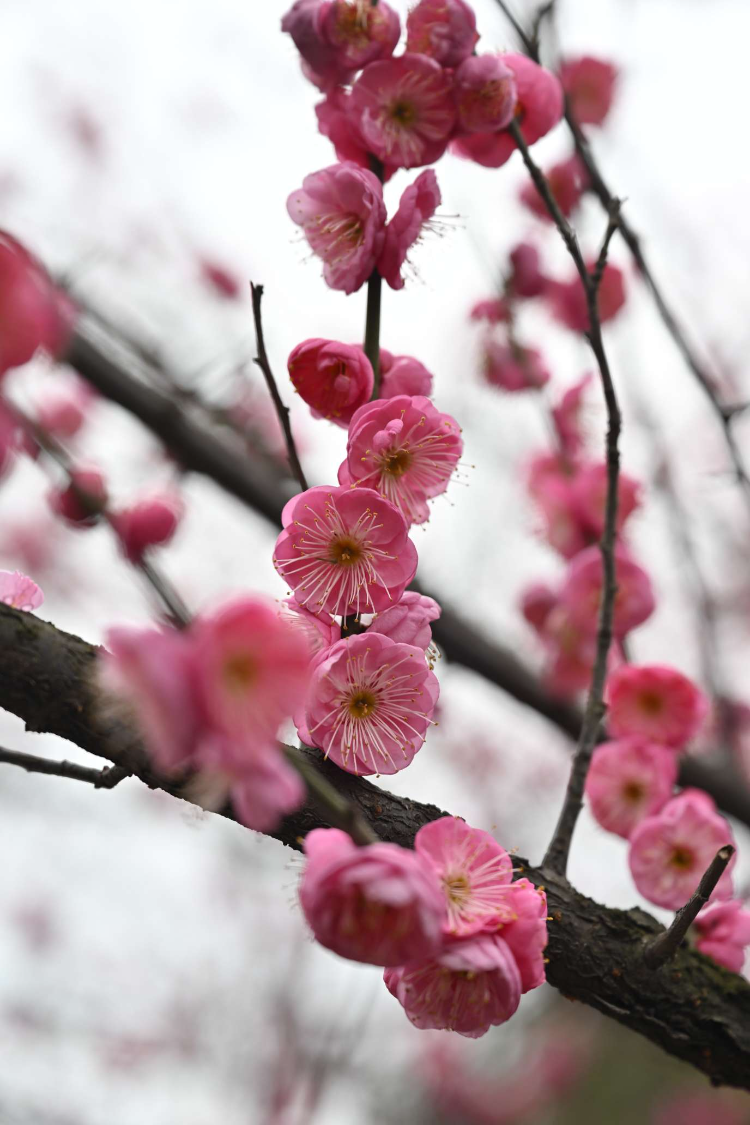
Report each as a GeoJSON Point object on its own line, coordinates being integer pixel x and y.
{"type": "Point", "coordinates": [32, 763]}
{"type": "Point", "coordinates": [340, 812]}
{"type": "Point", "coordinates": [93, 506]}
{"type": "Point", "coordinates": [556, 858]}
{"type": "Point", "coordinates": [664, 947]}
{"type": "Point", "coordinates": [374, 298]}
{"type": "Point", "coordinates": [724, 413]}
{"type": "Point", "coordinates": [282, 411]}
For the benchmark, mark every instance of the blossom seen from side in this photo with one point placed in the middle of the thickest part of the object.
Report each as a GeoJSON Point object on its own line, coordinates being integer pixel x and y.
{"type": "Point", "coordinates": [484, 88]}
{"type": "Point", "coordinates": [334, 379]}
{"type": "Point", "coordinates": [582, 590]}
{"type": "Point", "coordinates": [416, 208]}
{"type": "Point", "coordinates": [566, 181]}
{"type": "Point", "coordinates": [589, 84]}
{"type": "Point", "coordinates": [408, 622]}
{"type": "Point", "coordinates": [722, 932]}
{"type": "Point", "coordinates": [359, 31]}
{"type": "Point", "coordinates": [513, 367]}
{"type": "Point", "coordinates": [18, 591]}
{"type": "Point", "coordinates": [403, 375]}
{"type": "Point", "coordinates": [446, 30]}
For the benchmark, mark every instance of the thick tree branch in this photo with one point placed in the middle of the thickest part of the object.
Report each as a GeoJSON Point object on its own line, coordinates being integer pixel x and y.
{"type": "Point", "coordinates": [696, 1010]}
{"type": "Point", "coordinates": [198, 449]}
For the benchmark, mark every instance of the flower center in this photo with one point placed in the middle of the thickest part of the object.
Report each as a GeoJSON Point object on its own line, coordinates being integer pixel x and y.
{"type": "Point", "coordinates": [633, 792]}
{"type": "Point", "coordinates": [457, 888]}
{"type": "Point", "coordinates": [362, 704]}
{"type": "Point", "coordinates": [352, 23]}
{"type": "Point", "coordinates": [345, 551]}
{"type": "Point", "coordinates": [239, 672]}
{"type": "Point", "coordinates": [682, 859]}
{"type": "Point", "coordinates": [403, 113]}
{"type": "Point", "coordinates": [651, 702]}
{"type": "Point", "coordinates": [396, 462]}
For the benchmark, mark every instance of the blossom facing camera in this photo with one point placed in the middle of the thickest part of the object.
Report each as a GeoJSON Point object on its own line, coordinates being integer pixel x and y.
{"type": "Point", "coordinates": [20, 592]}
{"type": "Point", "coordinates": [670, 852]}
{"type": "Point", "coordinates": [405, 449]}
{"type": "Point", "coordinates": [656, 702]}
{"type": "Point", "coordinates": [446, 30]}
{"type": "Point", "coordinates": [379, 904]}
{"type": "Point", "coordinates": [484, 88]}
{"type": "Point", "coordinates": [370, 704]}
{"type": "Point", "coordinates": [475, 874]}
{"type": "Point", "coordinates": [333, 379]}
{"type": "Point", "coordinates": [473, 985]}
{"type": "Point", "coordinates": [344, 550]}
{"type": "Point", "coordinates": [628, 780]}
{"type": "Point", "coordinates": [342, 214]}
{"type": "Point", "coordinates": [416, 208]}
{"type": "Point", "coordinates": [403, 108]}
{"type": "Point", "coordinates": [359, 31]}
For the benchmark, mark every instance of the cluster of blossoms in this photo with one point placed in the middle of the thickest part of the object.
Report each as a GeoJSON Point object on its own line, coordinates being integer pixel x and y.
{"type": "Point", "coordinates": [459, 940]}
{"type": "Point", "coordinates": [384, 112]}
{"type": "Point", "coordinates": [654, 711]}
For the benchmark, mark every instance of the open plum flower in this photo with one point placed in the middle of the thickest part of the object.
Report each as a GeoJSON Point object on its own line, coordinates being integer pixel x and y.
{"type": "Point", "coordinates": [344, 550]}
{"type": "Point", "coordinates": [629, 780]}
{"type": "Point", "coordinates": [35, 314]}
{"type": "Point", "coordinates": [405, 449]}
{"type": "Point", "coordinates": [20, 592]}
{"type": "Point", "coordinates": [589, 86]}
{"type": "Point", "coordinates": [370, 704]}
{"type": "Point", "coordinates": [656, 702]}
{"type": "Point", "coordinates": [359, 31]}
{"type": "Point", "coordinates": [380, 904]}
{"type": "Point", "coordinates": [446, 30]}
{"type": "Point", "coordinates": [722, 931]}
{"type": "Point", "coordinates": [418, 204]}
{"type": "Point", "coordinates": [484, 87]}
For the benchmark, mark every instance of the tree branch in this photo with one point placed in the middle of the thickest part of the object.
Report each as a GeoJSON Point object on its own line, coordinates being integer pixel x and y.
{"type": "Point", "coordinates": [698, 1011]}
{"type": "Point", "coordinates": [282, 411]}
{"type": "Point", "coordinates": [199, 450]}
{"type": "Point", "coordinates": [100, 779]}
{"type": "Point", "coordinates": [664, 946]}
{"type": "Point", "coordinates": [556, 858]}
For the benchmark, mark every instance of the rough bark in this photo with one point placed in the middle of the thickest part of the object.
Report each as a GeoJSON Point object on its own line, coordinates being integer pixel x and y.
{"type": "Point", "coordinates": [690, 1007]}
{"type": "Point", "coordinates": [199, 449]}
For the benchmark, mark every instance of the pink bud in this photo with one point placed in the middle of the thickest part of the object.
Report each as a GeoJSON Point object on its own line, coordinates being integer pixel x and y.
{"type": "Point", "coordinates": [444, 29]}
{"type": "Point", "coordinates": [81, 503]}
{"type": "Point", "coordinates": [589, 85]}
{"type": "Point", "coordinates": [151, 522]}
{"type": "Point", "coordinates": [527, 277]}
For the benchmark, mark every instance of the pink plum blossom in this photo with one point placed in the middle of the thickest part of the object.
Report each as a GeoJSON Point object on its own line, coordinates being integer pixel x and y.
{"type": "Point", "coordinates": [342, 213]}
{"type": "Point", "coordinates": [344, 550]}
{"type": "Point", "coordinates": [370, 703]}
{"type": "Point", "coordinates": [150, 522]}
{"type": "Point", "coordinates": [359, 31]}
{"type": "Point", "coordinates": [539, 107]}
{"type": "Point", "coordinates": [333, 379]}
{"type": "Point", "coordinates": [537, 603]}
{"type": "Point", "coordinates": [81, 501]}
{"type": "Point", "coordinates": [219, 279]}
{"type": "Point", "coordinates": [484, 88]}
{"type": "Point", "coordinates": [320, 630]}
{"type": "Point", "coordinates": [264, 792]}
{"type": "Point", "coordinates": [408, 622]}
{"type": "Point", "coordinates": [493, 310]}
{"type": "Point", "coordinates": [567, 182]}
{"type": "Point", "coordinates": [404, 110]}
{"type": "Point", "coordinates": [405, 449]}
{"type": "Point", "coordinates": [722, 931]}
{"type": "Point", "coordinates": [568, 300]}
{"type": "Point", "coordinates": [670, 851]}
{"type": "Point", "coordinates": [582, 589]}
{"type": "Point", "coordinates": [527, 278]}
{"type": "Point", "coordinates": [629, 780]}
{"type": "Point", "coordinates": [446, 30]}
{"type": "Point", "coordinates": [589, 495]}
{"type": "Point", "coordinates": [19, 591]}
{"type": "Point", "coordinates": [475, 874]}
{"type": "Point", "coordinates": [473, 985]}
{"type": "Point", "coordinates": [380, 904]}
{"type": "Point", "coordinates": [62, 412]}
{"type": "Point", "coordinates": [526, 933]}
{"type": "Point", "coordinates": [322, 63]}
{"type": "Point", "coordinates": [33, 314]}
{"type": "Point", "coordinates": [589, 86]}
{"type": "Point", "coordinates": [403, 375]}
{"type": "Point", "coordinates": [513, 367]}
{"type": "Point", "coordinates": [561, 525]}
{"type": "Point", "coordinates": [571, 653]}
{"type": "Point", "coordinates": [418, 204]}
{"type": "Point", "coordinates": [566, 417]}
{"type": "Point", "coordinates": [656, 702]}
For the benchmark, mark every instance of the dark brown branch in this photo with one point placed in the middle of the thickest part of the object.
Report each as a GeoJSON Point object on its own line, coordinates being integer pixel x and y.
{"type": "Point", "coordinates": [100, 779]}
{"type": "Point", "coordinates": [664, 946]}
{"type": "Point", "coordinates": [199, 450]}
{"type": "Point", "coordinates": [336, 809]}
{"type": "Point", "coordinates": [282, 411]}
{"type": "Point", "coordinates": [557, 853]}
{"type": "Point", "coordinates": [697, 1011]}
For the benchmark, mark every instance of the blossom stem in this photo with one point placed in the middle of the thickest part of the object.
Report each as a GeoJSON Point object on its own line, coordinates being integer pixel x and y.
{"type": "Point", "coordinates": [335, 807]}
{"type": "Point", "coordinates": [374, 295]}
{"type": "Point", "coordinates": [282, 411]}
{"type": "Point", "coordinates": [556, 857]}
{"type": "Point", "coordinates": [665, 945]}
